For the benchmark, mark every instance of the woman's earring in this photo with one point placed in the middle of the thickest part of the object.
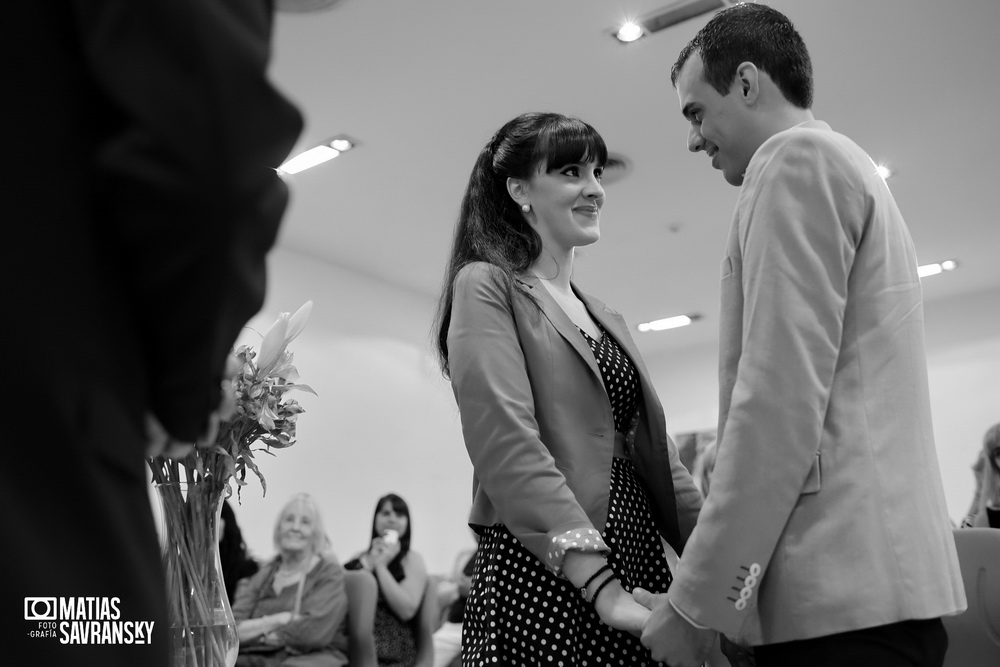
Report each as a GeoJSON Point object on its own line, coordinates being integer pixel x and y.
{"type": "Point", "coordinates": [525, 207]}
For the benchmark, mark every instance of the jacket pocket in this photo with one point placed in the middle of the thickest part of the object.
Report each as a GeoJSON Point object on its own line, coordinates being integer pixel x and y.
{"type": "Point", "coordinates": [727, 267]}
{"type": "Point", "coordinates": [814, 480]}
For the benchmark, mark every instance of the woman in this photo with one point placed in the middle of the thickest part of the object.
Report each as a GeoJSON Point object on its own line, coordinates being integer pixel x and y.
{"type": "Point", "coordinates": [448, 638]}
{"type": "Point", "coordinates": [576, 479]}
{"type": "Point", "coordinates": [985, 509]}
{"type": "Point", "coordinates": [237, 564]}
{"type": "Point", "coordinates": [402, 578]}
{"type": "Point", "coordinates": [293, 611]}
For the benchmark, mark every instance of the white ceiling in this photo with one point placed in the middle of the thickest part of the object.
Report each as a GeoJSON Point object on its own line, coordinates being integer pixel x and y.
{"type": "Point", "coordinates": [422, 84]}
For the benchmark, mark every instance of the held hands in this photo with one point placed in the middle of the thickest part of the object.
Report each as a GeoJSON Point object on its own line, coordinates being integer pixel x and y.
{"type": "Point", "coordinates": [616, 608]}
{"type": "Point", "coordinates": [670, 637]}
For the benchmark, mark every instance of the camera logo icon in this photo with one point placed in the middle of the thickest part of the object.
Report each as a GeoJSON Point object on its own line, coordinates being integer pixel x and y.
{"type": "Point", "coordinates": [40, 609]}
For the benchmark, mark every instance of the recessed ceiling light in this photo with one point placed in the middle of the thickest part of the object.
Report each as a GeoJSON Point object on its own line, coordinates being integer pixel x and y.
{"type": "Point", "coordinates": [883, 171]}
{"type": "Point", "coordinates": [936, 268]}
{"type": "Point", "coordinates": [629, 32]}
{"type": "Point", "coordinates": [669, 323]}
{"type": "Point", "coordinates": [341, 143]}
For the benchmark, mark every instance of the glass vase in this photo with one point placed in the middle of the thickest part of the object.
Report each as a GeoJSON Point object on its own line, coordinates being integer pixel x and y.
{"type": "Point", "coordinates": [202, 628]}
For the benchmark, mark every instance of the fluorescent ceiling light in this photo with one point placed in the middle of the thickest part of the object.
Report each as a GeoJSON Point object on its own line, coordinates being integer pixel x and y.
{"type": "Point", "coordinates": [328, 150]}
{"type": "Point", "coordinates": [307, 159]}
{"type": "Point", "coordinates": [669, 323]}
{"type": "Point", "coordinates": [674, 13]}
{"type": "Point", "coordinates": [936, 268]}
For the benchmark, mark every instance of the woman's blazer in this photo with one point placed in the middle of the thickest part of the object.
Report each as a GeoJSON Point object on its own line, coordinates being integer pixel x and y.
{"type": "Point", "coordinates": [537, 420]}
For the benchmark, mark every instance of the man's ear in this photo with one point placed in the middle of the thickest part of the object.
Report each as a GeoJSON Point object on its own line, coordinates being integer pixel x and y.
{"type": "Point", "coordinates": [748, 80]}
{"type": "Point", "coordinates": [517, 188]}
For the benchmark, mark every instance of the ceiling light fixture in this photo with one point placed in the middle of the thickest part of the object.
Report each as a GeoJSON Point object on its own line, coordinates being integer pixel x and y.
{"type": "Point", "coordinates": [669, 323]}
{"type": "Point", "coordinates": [936, 268]}
{"type": "Point", "coordinates": [629, 32]}
{"type": "Point", "coordinates": [328, 150]}
{"type": "Point", "coordinates": [883, 171]}
{"type": "Point", "coordinates": [672, 14]}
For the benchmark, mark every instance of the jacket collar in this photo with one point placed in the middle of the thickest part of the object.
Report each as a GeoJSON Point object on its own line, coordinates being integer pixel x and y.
{"type": "Point", "coordinates": [613, 323]}
{"type": "Point", "coordinates": [608, 318]}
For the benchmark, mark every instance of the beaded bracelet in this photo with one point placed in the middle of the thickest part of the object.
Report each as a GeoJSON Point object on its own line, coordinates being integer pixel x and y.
{"type": "Point", "coordinates": [600, 588]}
{"type": "Point", "coordinates": [595, 575]}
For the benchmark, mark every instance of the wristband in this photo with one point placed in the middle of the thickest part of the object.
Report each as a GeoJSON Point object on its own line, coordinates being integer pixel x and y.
{"type": "Point", "coordinates": [595, 575]}
{"type": "Point", "coordinates": [600, 588]}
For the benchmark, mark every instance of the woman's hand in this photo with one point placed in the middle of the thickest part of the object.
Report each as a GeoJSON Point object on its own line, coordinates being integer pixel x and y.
{"type": "Point", "coordinates": [382, 553]}
{"type": "Point", "coordinates": [617, 608]}
{"type": "Point", "coordinates": [281, 618]}
{"type": "Point", "coordinates": [464, 585]}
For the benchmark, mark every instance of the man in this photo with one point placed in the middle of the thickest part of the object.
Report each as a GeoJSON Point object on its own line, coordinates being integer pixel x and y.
{"type": "Point", "coordinates": [825, 539]}
{"type": "Point", "coordinates": [140, 141]}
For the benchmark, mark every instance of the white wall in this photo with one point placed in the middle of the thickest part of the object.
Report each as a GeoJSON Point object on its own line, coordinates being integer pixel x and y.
{"type": "Point", "coordinates": [385, 419]}
{"type": "Point", "coordinates": [963, 361]}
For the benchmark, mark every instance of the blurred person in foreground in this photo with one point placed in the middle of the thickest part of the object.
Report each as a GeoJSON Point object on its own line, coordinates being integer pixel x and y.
{"type": "Point", "coordinates": [141, 198]}
{"type": "Point", "coordinates": [825, 539]}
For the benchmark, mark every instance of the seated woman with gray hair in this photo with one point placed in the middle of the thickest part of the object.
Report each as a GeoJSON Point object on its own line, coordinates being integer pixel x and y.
{"type": "Point", "coordinates": [293, 611]}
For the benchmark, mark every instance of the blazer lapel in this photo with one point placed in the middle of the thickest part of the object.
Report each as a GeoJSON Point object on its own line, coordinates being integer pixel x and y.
{"type": "Point", "coordinates": [614, 324]}
{"type": "Point", "coordinates": [561, 322]}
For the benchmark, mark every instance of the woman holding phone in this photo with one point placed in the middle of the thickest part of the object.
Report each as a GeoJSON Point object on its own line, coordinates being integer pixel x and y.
{"type": "Point", "coordinates": [401, 576]}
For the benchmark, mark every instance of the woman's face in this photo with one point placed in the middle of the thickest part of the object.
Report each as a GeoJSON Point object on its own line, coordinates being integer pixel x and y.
{"type": "Point", "coordinates": [295, 531]}
{"type": "Point", "coordinates": [567, 205]}
{"type": "Point", "coordinates": [386, 518]}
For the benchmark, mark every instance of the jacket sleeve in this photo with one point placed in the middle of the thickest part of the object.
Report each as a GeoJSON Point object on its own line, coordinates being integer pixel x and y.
{"type": "Point", "coordinates": [324, 609]}
{"type": "Point", "coordinates": [189, 195]}
{"type": "Point", "coordinates": [798, 237]}
{"type": "Point", "coordinates": [247, 594]}
{"type": "Point", "coordinates": [490, 381]}
{"type": "Point", "coordinates": [688, 497]}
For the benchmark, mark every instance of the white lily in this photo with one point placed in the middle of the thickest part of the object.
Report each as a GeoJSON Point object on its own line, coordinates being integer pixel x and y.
{"type": "Point", "coordinates": [284, 330]}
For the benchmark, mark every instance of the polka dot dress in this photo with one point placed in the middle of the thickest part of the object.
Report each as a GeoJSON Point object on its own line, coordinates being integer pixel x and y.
{"type": "Point", "coordinates": [519, 613]}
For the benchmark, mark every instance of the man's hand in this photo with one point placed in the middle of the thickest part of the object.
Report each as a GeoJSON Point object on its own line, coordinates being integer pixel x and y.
{"type": "Point", "coordinates": [616, 608]}
{"type": "Point", "coordinates": [669, 637]}
{"type": "Point", "coordinates": [158, 441]}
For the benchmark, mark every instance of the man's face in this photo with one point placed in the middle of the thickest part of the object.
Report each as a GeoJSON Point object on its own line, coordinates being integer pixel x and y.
{"type": "Point", "coordinates": [720, 124]}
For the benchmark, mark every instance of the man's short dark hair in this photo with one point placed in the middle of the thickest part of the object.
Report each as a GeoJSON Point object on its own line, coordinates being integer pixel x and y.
{"type": "Point", "coordinates": [758, 34]}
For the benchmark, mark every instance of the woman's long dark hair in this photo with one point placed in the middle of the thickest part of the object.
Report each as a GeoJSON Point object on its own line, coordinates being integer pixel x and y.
{"type": "Point", "coordinates": [491, 227]}
{"type": "Point", "coordinates": [399, 506]}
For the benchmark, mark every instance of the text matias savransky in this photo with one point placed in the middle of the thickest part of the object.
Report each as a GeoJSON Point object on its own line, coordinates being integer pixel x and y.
{"type": "Point", "coordinates": [85, 620]}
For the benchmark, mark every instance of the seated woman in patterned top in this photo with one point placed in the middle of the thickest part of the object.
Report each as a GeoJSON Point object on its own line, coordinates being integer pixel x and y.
{"type": "Point", "coordinates": [402, 578]}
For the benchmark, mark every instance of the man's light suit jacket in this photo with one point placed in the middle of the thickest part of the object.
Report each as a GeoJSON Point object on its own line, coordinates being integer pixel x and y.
{"type": "Point", "coordinates": [537, 420]}
{"type": "Point", "coordinates": [826, 511]}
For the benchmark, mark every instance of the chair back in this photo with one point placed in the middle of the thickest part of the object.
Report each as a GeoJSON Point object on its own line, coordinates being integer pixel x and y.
{"type": "Point", "coordinates": [362, 598]}
{"type": "Point", "coordinates": [974, 636]}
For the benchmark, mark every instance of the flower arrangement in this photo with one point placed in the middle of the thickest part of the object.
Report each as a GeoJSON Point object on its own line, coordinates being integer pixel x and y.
{"type": "Point", "coordinates": [191, 490]}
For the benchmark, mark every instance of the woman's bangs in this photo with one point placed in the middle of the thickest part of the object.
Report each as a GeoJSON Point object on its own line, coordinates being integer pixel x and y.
{"type": "Point", "coordinates": [571, 142]}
